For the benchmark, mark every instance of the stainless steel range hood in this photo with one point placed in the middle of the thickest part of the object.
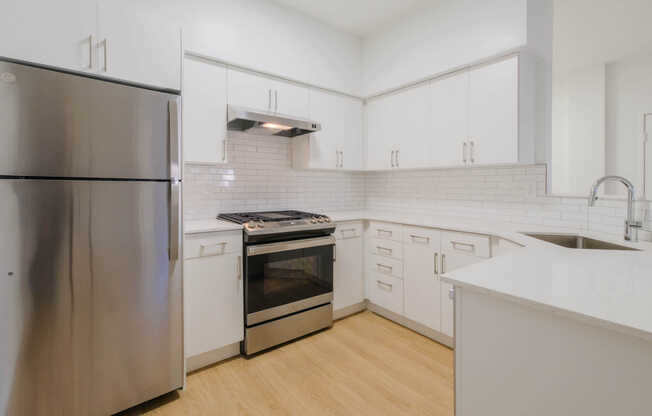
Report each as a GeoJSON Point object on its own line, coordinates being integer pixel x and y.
{"type": "Point", "coordinates": [268, 124]}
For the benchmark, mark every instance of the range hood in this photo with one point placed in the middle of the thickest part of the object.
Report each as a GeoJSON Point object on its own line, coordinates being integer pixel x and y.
{"type": "Point", "coordinates": [268, 124]}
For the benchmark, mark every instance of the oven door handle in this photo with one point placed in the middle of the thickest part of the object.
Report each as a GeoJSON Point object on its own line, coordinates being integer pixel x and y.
{"type": "Point", "coordinates": [290, 245]}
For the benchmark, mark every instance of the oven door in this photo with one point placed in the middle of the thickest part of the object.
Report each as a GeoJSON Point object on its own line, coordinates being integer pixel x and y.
{"type": "Point", "coordinates": [286, 277]}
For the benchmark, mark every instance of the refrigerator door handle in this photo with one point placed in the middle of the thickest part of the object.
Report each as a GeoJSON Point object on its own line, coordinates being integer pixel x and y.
{"type": "Point", "coordinates": [175, 227]}
{"type": "Point", "coordinates": [175, 132]}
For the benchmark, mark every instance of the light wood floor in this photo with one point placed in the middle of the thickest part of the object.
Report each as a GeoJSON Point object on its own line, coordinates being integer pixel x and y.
{"type": "Point", "coordinates": [364, 365]}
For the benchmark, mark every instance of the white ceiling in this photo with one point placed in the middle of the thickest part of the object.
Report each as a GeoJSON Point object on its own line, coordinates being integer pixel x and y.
{"type": "Point", "coordinates": [359, 17]}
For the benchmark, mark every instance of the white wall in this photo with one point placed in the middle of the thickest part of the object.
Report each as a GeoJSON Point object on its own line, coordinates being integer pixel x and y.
{"type": "Point", "coordinates": [578, 130]}
{"type": "Point", "coordinates": [629, 95]}
{"type": "Point", "coordinates": [261, 35]}
{"type": "Point", "coordinates": [444, 35]}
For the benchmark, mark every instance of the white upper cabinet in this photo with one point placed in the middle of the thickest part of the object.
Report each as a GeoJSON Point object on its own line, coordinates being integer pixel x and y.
{"type": "Point", "coordinates": [448, 120]}
{"type": "Point", "coordinates": [379, 146]}
{"type": "Point", "coordinates": [338, 145]}
{"type": "Point", "coordinates": [56, 33]}
{"type": "Point", "coordinates": [261, 93]}
{"type": "Point", "coordinates": [137, 45]}
{"type": "Point", "coordinates": [493, 113]}
{"type": "Point", "coordinates": [204, 111]}
{"type": "Point", "coordinates": [250, 90]}
{"type": "Point", "coordinates": [291, 99]}
{"type": "Point", "coordinates": [408, 126]}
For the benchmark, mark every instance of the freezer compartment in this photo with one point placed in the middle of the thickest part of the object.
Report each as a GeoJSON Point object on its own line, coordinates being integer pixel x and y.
{"type": "Point", "coordinates": [56, 124]}
{"type": "Point", "coordinates": [92, 300]}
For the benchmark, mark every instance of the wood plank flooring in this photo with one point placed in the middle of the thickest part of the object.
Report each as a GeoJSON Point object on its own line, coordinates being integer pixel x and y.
{"type": "Point", "coordinates": [364, 365]}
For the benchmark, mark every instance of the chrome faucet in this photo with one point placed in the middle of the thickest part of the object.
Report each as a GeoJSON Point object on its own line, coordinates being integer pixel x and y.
{"type": "Point", "coordinates": [631, 225]}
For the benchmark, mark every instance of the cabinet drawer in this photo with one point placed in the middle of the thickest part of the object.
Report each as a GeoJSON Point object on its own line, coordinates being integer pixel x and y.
{"type": "Point", "coordinates": [421, 236]}
{"type": "Point", "coordinates": [346, 230]}
{"type": "Point", "coordinates": [385, 248]}
{"type": "Point", "coordinates": [463, 243]}
{"type": "Point", "coordinates": [386, 291]}
{"type": "Point", "coordinates": [212, 244]}
{"type": "Point", "coordinates": [385, 266]}
{"type": "Point", "coordinates": [384, 230]}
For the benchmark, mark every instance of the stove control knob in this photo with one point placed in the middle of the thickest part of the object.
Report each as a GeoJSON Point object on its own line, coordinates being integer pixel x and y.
{"type": "Point", "coordinates": [326, 219]}
{"type": "Point", "coordinates": [251, 225]}
{"type": "Point", "coordinates": [261, 225]}
{"type": "Point", "coordinates": [313, 220]}
{"type": "Point", "coordinates": [321, 219]}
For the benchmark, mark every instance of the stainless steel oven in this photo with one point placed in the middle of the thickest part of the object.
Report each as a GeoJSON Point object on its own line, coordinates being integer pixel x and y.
{"type": "Point", "coordinates": [288, 269]}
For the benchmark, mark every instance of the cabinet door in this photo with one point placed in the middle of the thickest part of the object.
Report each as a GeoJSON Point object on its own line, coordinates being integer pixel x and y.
{"type": "Point", "coordinates": [378, 145]}
{"type": "Point", "coordinates": [421, 281]}
{"type": "Point", "coordinates": [56, 33]}
{"type": "Point", "coordinates": [249, 90]}
{"type": "Point", "coordinates": [407, 125]}
{"type": "Point", "coordinates": [204, 112]}
{"type": "Point", "coordinates": [291, 99]}
{"type": "Point", "coordinates": [493, 113]}
{"type": "Point", "coordinates": [348, 282]}
{"type": "Point", "coordinates": [340, 137]}
{"type": "Point", "coordinates": [138, 45]}
{"type": "Point", "coordinates": [213, 301]}
{"type": "Point", "coordinates": [350, 142]}
{"type": "Point", "coordinates": [449, 121]}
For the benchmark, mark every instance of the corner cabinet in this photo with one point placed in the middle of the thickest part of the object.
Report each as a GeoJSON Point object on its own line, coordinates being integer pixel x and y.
{"type": "Point", "coordinates": [204, 111]}
{"type": "Point", "coordinates": [213, 295]}
{"type": "Point", "coordinates": [338, 145]}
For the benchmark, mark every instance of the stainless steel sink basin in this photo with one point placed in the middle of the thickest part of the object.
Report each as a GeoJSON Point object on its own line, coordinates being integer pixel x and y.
{"type": "Point", "coordinates": [578, 241]}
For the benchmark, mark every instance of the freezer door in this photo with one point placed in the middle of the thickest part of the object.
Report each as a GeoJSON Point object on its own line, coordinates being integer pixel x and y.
{"type": "Point", "coordinates": [57, 124]}
{"type": "Point", "coordinates": [91, 300]}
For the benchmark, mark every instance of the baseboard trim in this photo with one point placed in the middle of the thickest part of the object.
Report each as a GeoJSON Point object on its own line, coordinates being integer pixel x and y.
{"type": "Point", "coordinates": [412, 325]}
{"type": "Point", "coordinates": [349, 310]}
{"type": "Point", "coordinates": [205, 359]}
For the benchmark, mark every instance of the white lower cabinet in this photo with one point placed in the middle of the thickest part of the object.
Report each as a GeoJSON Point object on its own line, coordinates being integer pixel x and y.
{"type": "Point", "coordinates": [404, 265]}
{"type": "Point", "coordinates": [421, 276]}
{"type": "Point", "coordinates": [386, 291]}
{"type": "Point", "coordinates": [213, 292]}
{"type": "Point", "coordinates": [348, 282]}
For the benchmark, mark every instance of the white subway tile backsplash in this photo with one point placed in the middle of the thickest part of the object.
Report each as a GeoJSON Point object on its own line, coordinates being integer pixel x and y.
{"type": "Point", "coordinates": [259, 176]}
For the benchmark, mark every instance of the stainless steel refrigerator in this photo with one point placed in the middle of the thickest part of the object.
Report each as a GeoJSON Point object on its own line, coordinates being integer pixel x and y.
{"type": "Point", "coordinates": [90, 273]}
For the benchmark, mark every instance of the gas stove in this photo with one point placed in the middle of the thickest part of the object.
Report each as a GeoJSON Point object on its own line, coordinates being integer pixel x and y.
{"type": "Point", "coordinates": [279, 222]}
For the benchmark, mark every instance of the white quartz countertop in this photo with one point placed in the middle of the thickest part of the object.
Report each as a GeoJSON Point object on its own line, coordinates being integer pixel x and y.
{"type": "Point", "coordinates": [209, 226]}
{"type": "Point", "coordinates": [610, 288]}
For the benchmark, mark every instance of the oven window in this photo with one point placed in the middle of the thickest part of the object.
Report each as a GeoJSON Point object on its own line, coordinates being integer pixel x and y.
{"type": "Point", "coordinates": [276, 279]}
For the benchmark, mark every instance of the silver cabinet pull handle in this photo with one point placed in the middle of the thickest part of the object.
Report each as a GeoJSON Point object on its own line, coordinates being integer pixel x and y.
{"type": "Point", "coordinates": [436, 268]}
{"type": "Point", "coordinates": [381, 231]}
{"type": "Point", "coordinates": [335, 252]}
{"type": "Point", "coordinates": [415, 238]}
{"type": "Point", "coordinates": [384, 268]}
{"type": "Point", "coordinates": [269, 99]}
{"type": "Point", "coordinates": [341, 158]}
{"type": "Point", "coordinates": [464, 152]}
{"type": "Point", "coordinates": [443, 263]}
{"type": "Point", "coordinates": [397, 152]}
{"type": "Point", "coordinates": [472, 148]}
{"type": "Point", "coordinates": [239, 267]}
{"type": "Point", "coordinates": [105, 45]}
{"type": "Point", "coordinates": [381, 283]}
{"type": "Point", "coordinates": [275, 100]}
{"type": "Point", "coordinates": [91, 50]}
{"type": "Point", "coordinates": [221, 245]}
{"type": "Point", "coordinates": [388, 251]}
{"type": "Point", "coordinates": [391, 158]}
{"type": "Point", "coordinates": [463, 246]}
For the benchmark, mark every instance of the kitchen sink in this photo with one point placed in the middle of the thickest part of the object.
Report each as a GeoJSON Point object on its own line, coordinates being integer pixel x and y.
{"type": "Point", "coordinates": [578, 241]}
